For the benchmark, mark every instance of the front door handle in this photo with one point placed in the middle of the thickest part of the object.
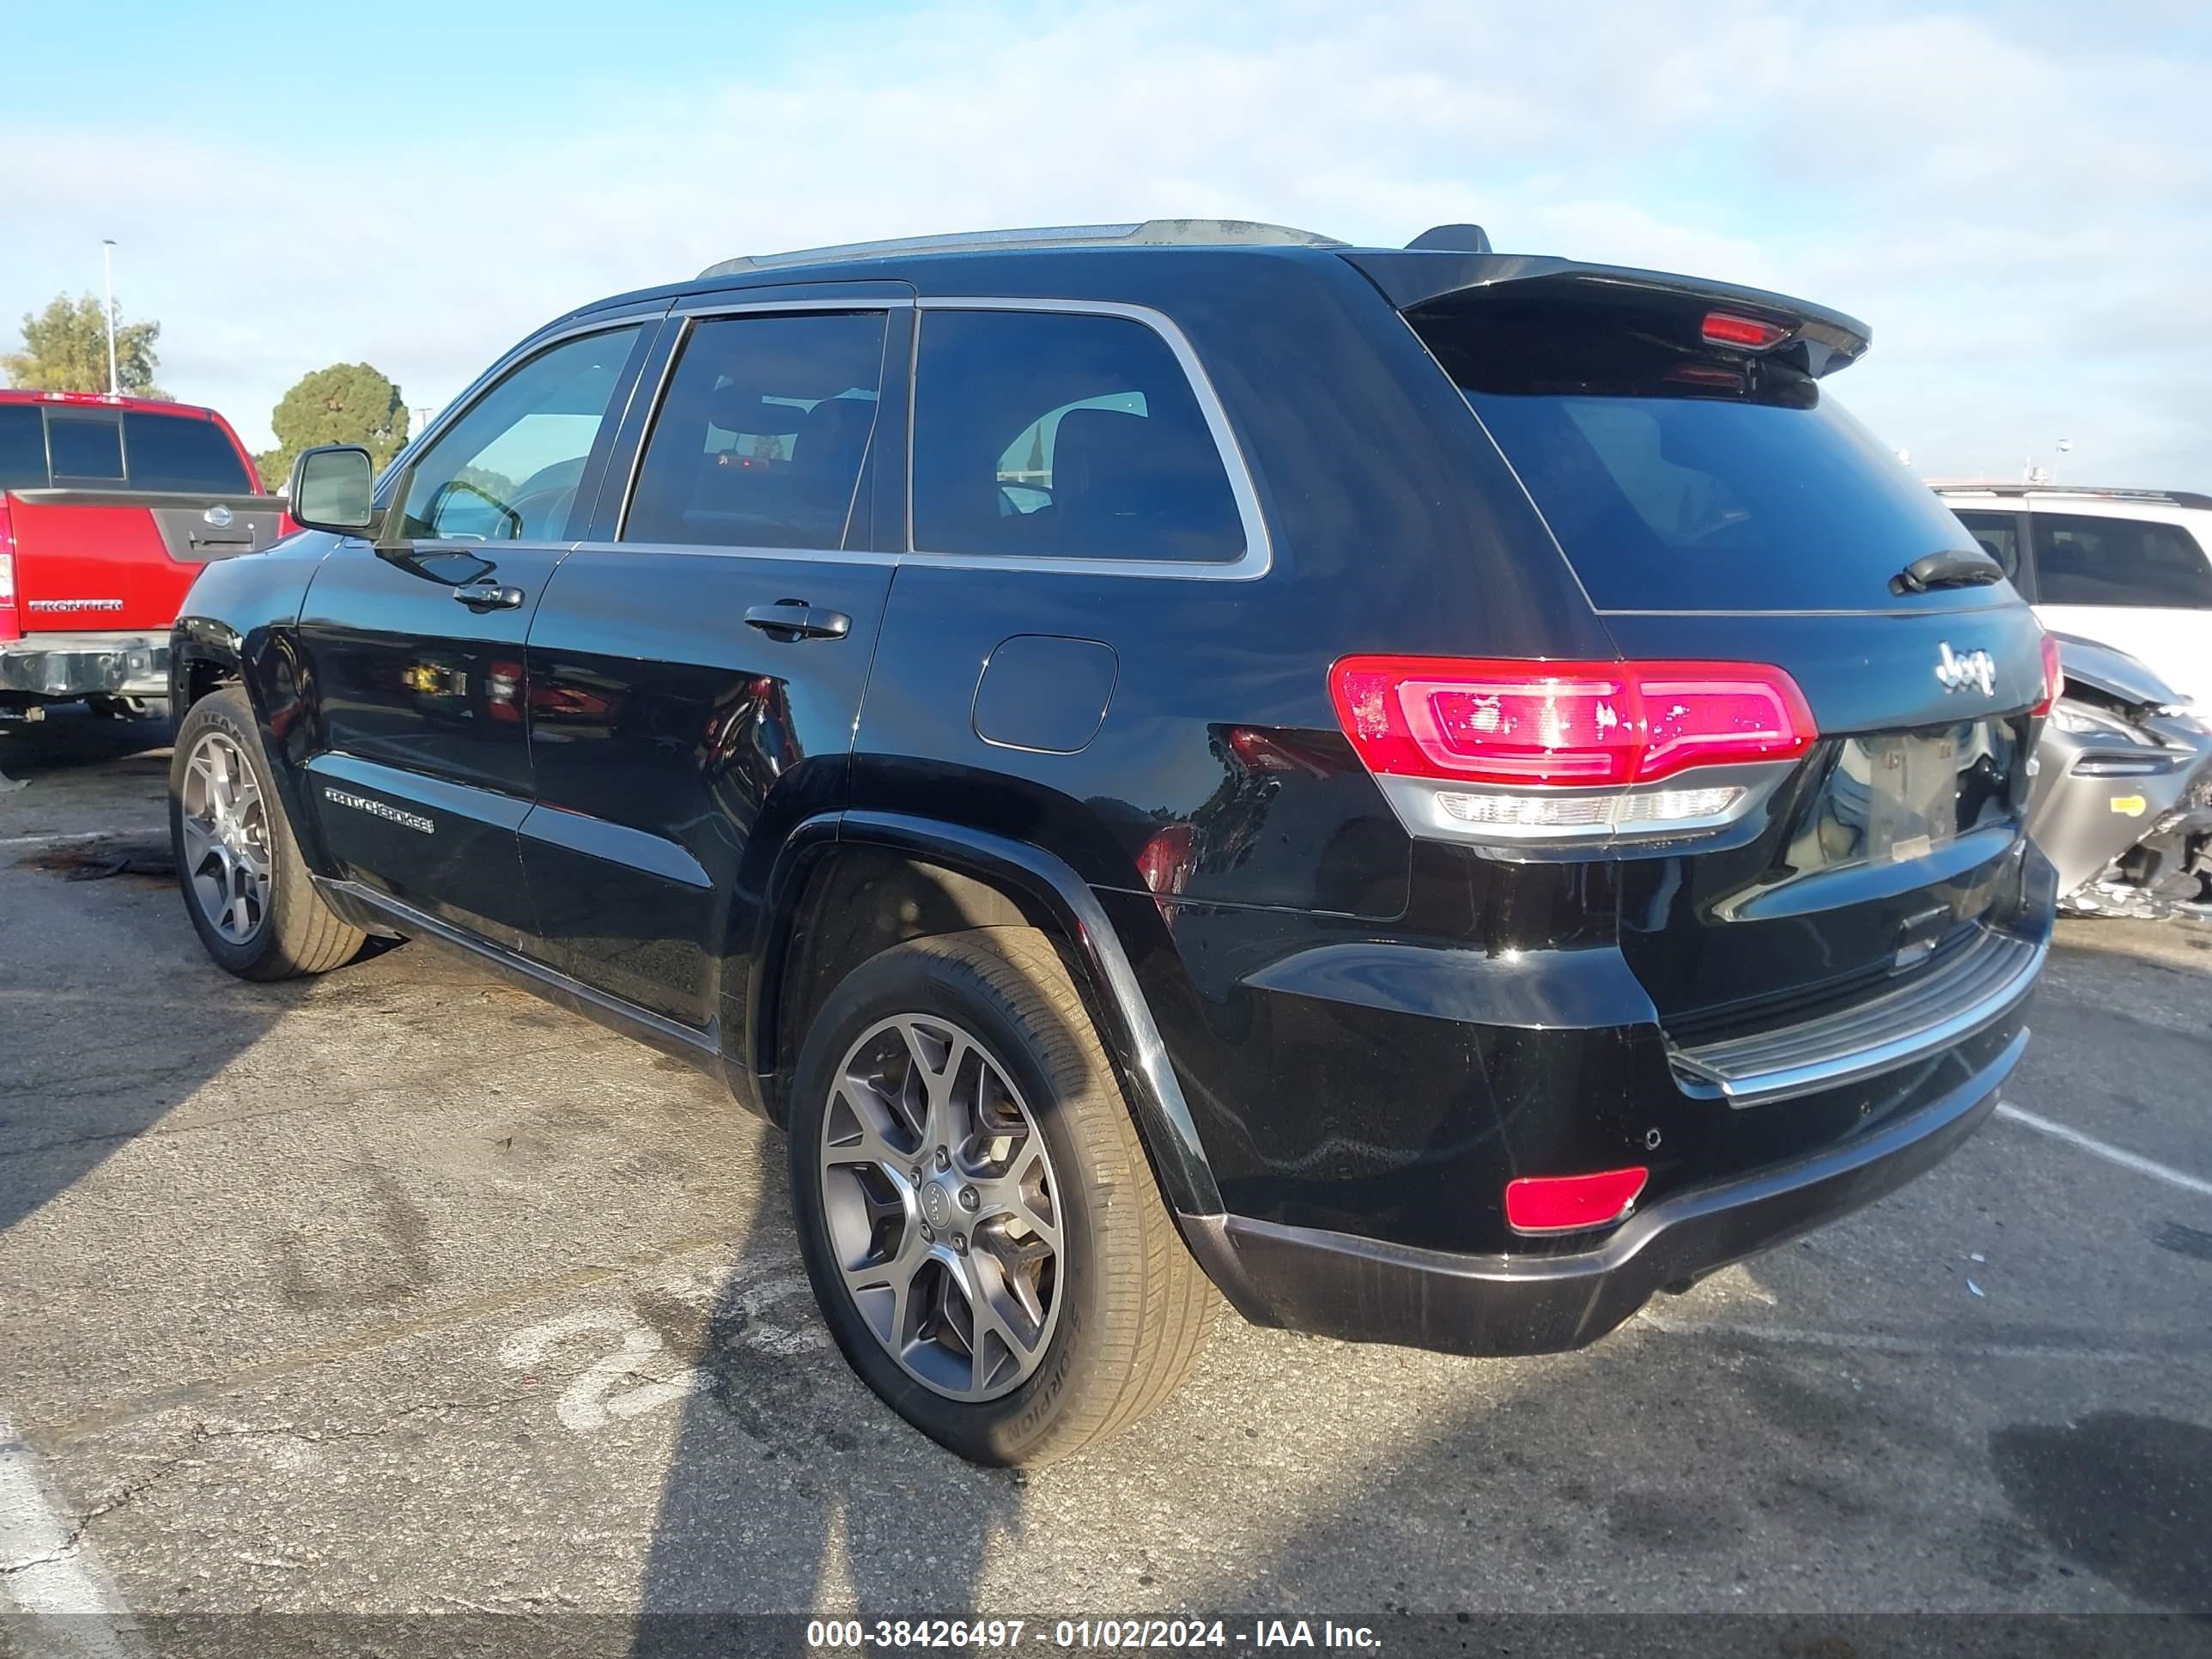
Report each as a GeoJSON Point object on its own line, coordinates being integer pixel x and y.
{"type": "Point", "coordinates": [795, 619]}
{"type": "Point", "coordinates": [488, 595]}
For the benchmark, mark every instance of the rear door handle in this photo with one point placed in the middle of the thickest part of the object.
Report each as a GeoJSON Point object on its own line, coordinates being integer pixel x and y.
{"type": "Point", "coordinates": [795, 619]}
{"type": "Point", "coordinates": [488, 595]}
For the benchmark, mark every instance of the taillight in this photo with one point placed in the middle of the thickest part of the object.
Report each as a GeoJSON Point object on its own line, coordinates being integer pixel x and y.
{"type": "Point", "coordinates": [1528, 749]}
{"type": "Point", "coordinates": [2054, 677]}
{"type": "Point", "coordinates": [10, 628]}
{"type": "Point", "coordinates": [1568, 1204]}
{"type": "Point", "coordinates": [1166, 860]}
{"type": "Point", "coordinates": [1751, 333]}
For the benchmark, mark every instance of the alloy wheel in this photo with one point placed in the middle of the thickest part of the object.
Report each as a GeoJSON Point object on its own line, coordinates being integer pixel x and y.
{"type": "Point", "coordinates": [942, 1207]}
{"type": "Point", "coordinates": [226, 838]}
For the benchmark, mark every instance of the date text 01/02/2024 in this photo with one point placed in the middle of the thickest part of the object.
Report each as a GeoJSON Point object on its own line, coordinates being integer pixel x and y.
{"type": "Point", "coordinates": [1002, 1634]}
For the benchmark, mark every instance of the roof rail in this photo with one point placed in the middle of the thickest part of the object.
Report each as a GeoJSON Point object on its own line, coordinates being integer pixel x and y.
{"type": "Point", "coordinates": [1152, 233]}
{"type": "Point", "coordinates": [2105, 492]}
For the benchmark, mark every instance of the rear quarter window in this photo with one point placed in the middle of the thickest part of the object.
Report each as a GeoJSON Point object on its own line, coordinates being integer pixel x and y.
{"type": "Point", "coordinates": [1064, 435]}
{"type": "Point", "coordinates": [2081, 560]}
{"type": "Point", "coordinates": [22, 447]}
{"type": "Point", "coordinates": [178, 452]}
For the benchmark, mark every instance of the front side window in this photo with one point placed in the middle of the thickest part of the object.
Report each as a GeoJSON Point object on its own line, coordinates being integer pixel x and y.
{"type": "Point", "coordinates": [2096, 561]}
{"type": "Point", "coordinates": [508, 470]}
{"type": "Point", "coordinates": [762, 437]}
{"type": "Point", "coordinates": [1054, 435]}
{"type": "Point", "coordinates": [178, 452]}
{"type": "Point", "coordinates": [1997, 534]}
{"type": "Point", "coordinates": [85, 448]}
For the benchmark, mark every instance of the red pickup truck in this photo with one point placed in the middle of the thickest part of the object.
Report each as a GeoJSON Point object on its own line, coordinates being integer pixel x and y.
{"type": "Point", "coordinates": [108, 508]}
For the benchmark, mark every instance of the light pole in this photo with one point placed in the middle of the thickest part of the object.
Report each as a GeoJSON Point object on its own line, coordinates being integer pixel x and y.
{"type": "Point", "coordinates": [107, 281]}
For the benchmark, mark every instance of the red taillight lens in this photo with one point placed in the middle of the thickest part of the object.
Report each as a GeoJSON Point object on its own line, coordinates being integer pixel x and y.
{"type": "Point", "coordinates": [1752, 333]}
{"type": "Point", "coordinates": [10, 628]}
{"type": "Point", "coordinates": [1566, 1204]}
{"type": "Point", "coordinates": [2054, 677]}
{"type": "Point", "coordinates": [1166, 860]}
{"type": "Point", "coordinates": [1564, 724]}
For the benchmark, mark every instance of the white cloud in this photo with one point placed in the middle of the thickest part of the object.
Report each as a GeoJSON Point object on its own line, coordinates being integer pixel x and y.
{"type": "Point", "coordinates": [2022, 212]}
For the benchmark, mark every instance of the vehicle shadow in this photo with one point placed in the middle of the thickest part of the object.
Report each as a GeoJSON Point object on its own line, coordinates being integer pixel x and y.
{"type": "Point", "coordinates": [790, 1488]}
{"type": "Point", "coordinates": [87, 791]}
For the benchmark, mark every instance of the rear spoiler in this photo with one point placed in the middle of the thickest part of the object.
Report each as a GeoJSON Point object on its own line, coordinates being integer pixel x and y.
{"type": "Point", "coordinates": [1823, 340]}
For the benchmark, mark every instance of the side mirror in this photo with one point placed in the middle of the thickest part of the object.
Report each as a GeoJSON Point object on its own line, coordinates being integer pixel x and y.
{"type": "Point", "coordinates": [333, 487]}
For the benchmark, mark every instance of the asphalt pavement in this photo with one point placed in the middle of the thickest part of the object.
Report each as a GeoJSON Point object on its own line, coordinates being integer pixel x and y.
{"type": "Point", "coordinates": [397, 1292]}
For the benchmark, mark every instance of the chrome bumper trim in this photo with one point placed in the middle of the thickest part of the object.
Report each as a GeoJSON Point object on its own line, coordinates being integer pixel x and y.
{"type": "Point", "coordinates": [1884, 1031]}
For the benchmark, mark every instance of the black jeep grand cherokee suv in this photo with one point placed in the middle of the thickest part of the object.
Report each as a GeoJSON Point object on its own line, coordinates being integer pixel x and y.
{"type": "Point", "coordinates": [1435, 793]}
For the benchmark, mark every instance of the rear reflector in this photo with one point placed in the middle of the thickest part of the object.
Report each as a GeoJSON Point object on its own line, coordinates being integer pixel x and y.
{"type": "Point", "coordinates": [1566, 1204]}
{"type": "Point", "coordinates": [2054, 677]}
{"type": "Point", "coordinates": [1557, 724]}
{"type": "Point", "coordinates": [1752, 333]}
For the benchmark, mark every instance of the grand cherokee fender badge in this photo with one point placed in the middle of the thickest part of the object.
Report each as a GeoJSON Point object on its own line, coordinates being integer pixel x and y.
{"type": "Point", "coordinates": [377, 809]}
{"type": "Point", "coordinates": [1956, 673]}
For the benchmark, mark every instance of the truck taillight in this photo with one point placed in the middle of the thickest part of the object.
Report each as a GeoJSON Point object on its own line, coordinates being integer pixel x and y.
{"type": "Point", "coordinates": [9, 628]}
{"type": "Point", "coordinates": [1524, 751]}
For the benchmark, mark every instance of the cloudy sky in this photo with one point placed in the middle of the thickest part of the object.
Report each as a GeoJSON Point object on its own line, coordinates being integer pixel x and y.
{"type": "Point", "coordinates": [2018, 198]}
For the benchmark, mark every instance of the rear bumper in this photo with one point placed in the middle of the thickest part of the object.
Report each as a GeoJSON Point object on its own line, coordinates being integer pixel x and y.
{"type": "Point", "coordinates": [1361, 1290]}
{"type": "Point", "coordinates": [65, 665]}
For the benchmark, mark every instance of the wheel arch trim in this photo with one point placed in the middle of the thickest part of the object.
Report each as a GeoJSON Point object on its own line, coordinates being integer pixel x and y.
{"type": "Point", "coordinates": [1038, 882]}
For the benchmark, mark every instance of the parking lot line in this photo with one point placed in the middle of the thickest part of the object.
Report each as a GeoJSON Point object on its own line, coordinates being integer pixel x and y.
{"type": "Point", "coordinates": [2111, 1154]}
{"type": "Point", "coordinates": [50, 1569]}
{"type": "Point", "coordinates": [199, 1389]}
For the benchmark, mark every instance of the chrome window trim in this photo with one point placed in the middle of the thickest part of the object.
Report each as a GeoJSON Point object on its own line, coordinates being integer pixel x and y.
{"type": "Point", "coordinates": [1258, 557]}
{"type": "Point", "coordinates": [472, 394]}
{"type": "Point", "coordinates": [685, 313]}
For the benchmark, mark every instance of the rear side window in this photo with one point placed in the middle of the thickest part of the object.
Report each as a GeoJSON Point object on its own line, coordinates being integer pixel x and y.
{"type": "Point", "coordinates": [2095, 561]}
{"type": "Point", "coordinates": [85, 448]}
{"type": "Point", "coordinates": [22, 447]}
{"type": "Point", "coordinates": [176, 451]}
{"type": "Point", "coordinates": [1056, 435]}
{"type": "Point", "coordinates": [1997, 534]}
{"type": "Point", "coordinates": [1678, 476]}
{"type": "Point", "coordinates": [761, 438]}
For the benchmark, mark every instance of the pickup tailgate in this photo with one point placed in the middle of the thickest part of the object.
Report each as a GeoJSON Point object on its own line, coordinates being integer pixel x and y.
{"type": "Point", "coordinates": [115, 559]}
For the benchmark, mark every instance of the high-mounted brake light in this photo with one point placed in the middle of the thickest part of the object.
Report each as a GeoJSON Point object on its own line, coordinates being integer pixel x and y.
{"type": "Point", "coordinates": [1532, 750]}
{"type": "Point", "coordinates": [1568, 1204]}
{"type": "Point", "coordinates": [1752, 333]}
{"type": "Point", "coordinates": [2054, 677]}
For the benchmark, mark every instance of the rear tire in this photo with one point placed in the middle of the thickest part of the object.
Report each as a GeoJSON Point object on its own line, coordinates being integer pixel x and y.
{"type": "Point", "coordinates": [244, 887]}
{"type": "Point", "coordinates": [1127, 1310]}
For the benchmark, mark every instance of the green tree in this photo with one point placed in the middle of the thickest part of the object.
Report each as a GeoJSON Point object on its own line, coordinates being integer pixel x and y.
{"type": "Point", "coordinates": [65, 349]}
{"type": "Point", "coordinates": [345, 404]}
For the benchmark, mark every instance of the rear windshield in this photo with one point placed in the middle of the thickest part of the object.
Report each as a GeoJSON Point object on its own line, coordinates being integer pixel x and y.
{"type": "Point", "coordinates": [22, 447]}
{"type": "Point", "coordinates": [1677, 478]}
{"type": "Point", "coordinates": [179, 451]}
{"type": "Point", "coordinates": [85, 448]}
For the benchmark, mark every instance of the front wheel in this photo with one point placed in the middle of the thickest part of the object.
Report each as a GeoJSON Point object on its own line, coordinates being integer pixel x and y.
{"type": "Point", "coordinates": [980, 1227]}
{"type": "Point", "coordinates": [249, 895]}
